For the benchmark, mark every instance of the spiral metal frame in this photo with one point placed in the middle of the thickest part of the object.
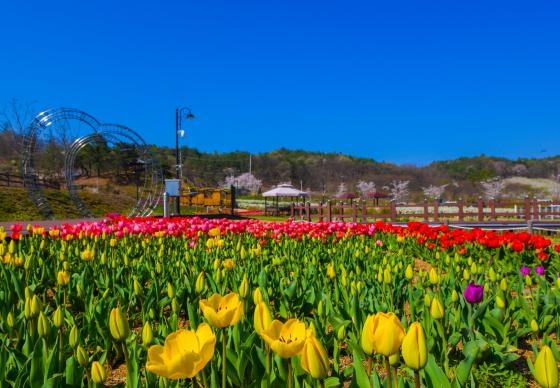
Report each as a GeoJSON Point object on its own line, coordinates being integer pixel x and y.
{"type": "Point", "coordinates": [149, 195]}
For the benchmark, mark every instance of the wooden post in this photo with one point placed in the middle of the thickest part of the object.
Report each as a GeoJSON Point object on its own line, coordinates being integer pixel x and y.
{"type": "Point", "coordinates": [393, 211]}
{"type": "Point", "coordinates": [300, 206]}
{"type": "Point", "coordinates": [364, 211]}
{"type": "Point", "coordinates": [493, 209]}
{"type": "Point", "coordinates": [292, 210]}
{"type": "Point", "coordinates": [320, 211]}
{"type": "Point", "coordinates": [426, 210]}
{"type": "Point", "coordinates": [527, 208]}
{"type": "Point", "coordinates": [354, 212]}
{"type": "Point", "coordinates": [308, 211]}
{"type": "Point", "coordinates": [536, 212]}
{"type": "Point", "coordinates": [480, 209]}
{"type": "Point", "coordinates": [436, 211]}
{"type": "Point", "coordinates": [329, 210]}
{"type": "Point", "coordinates": [341, 210]}
{"type": "Point", "coordinates": [461, 210]}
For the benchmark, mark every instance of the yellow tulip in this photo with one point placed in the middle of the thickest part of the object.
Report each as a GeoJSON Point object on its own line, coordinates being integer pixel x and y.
{"type": "Point", "coordinates": [436, 309]}
{"type": "Point", "coordinates": [285, 339]}
{"type": "Point", "coordinates": [454, 296]}
{"type": "Point", "coordinates": [244, 287]}
{"type": "Point", "coordinates": [408, 273]}
{"type": "Point", "coordinates": [228, 264]}
{"type": "Point", "coordinates": [257, 296]}
{"type": "Point", "coordinates": [222, 311]}
{"type": "Point", "coordinates": [118, 325]}
{"type": "Point", "coordinates": [387, 276]}
{"type": "Point", "coordinates": [147, 334]}
{"type": "Point", "coordinates": [330, 271]}
{"type": "Point", "coordinates": [98, 373]}
{"type": "Point", "coordinates": [434, 278]}
{"type": "Point", "coordinates": [262, 318]}
{"type": "Point", "coordinates": [414, 348]}
{"type": "Point", "coordinates": [184, 354]}
{"type": "Point", "coordinates": [314, 359]}
{"type": "Point", "coordinates": [383, 334]}
{"type": "Point", "coordinates": [200, 283]}
{"type": "Point", "coordinates": [63, 278]}
{"type": "Point", "coordinates": [546, 369]}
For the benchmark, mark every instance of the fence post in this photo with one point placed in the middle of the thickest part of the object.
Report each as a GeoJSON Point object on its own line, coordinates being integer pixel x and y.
{"type": "Point", "coordinates": [292, 210]}
{"type": "Point", "coordinates": [393, 211]}
{"type": "Point", "coordinates": [308, 211]}
{"type": "Point", "coordinates": [426, 210]}
{"type": "Point", "coordinates": [480, 209]}
{"type": "Point", "coordinates": [329, 210]}
{"type": "Point", "coordinates": [527, 209]}
{"type": "Point", "coordinates": [354, 212]}
{"type": "Point", "coordinates": [341, 210]}
{"type": "Point", "coordinates": [461, 210]}
{"type": "Point", "coordinates": [536, 211]}
{"type": "Point", "coordinates": [320, 211]}
{"type": "Point", "coordinates": [493, 209]}
{"type": "Point", "coordinates": [530, 226]}
{"type": "Point", "coordinates": [364, 211]}
{"type": "Point", "coordinates": [436, 211]}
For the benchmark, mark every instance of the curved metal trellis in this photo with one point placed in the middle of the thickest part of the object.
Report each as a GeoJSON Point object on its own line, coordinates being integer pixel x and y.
{"type": "Point", "coordinates": [152, 188]}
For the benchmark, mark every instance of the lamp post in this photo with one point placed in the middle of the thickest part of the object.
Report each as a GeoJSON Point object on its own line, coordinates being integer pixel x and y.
{"type": "Point", "coordinates": [179, 112]}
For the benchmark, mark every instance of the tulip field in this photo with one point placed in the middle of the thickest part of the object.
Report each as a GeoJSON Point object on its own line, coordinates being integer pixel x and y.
{"type": "Point", "coordinates": [218, 303]}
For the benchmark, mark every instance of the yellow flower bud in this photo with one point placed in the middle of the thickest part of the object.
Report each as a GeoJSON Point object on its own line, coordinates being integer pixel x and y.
{"type": "Point", "coordinates": [257, 296]}
{"type": "Point", "coordinates": [200, 283]}
{"type": "Point", "coordinates": [73, 339]}
{"type": "Point", "coordinates": [82, 356]}
{"type": "Point", "coordinates": [170, 291]}
{"type": "Point", "coordinates": [261, 318]}
{"type": "Point", "coordinates": [244, 287]}
{"type": "Point", "coordinates": [98, 374]}
{"type": "Point", "coordinates": [454, 296]}
{"type": "Point", "coordinates": [466, 274]}
{"type": "Point", "coordinates": [175, 307]}
{"type": "Point", "coordinates": [427, 300]}
{"type": "Point", "coordinates": [436, 309]}
{"type": "Point", "coordinates": [500, 303]}
{"type": "Point", "coordinates": [387, 278]}
{"type": "Point", "coordinates": [10, 320]}
{"type": "Point", "coordinates": [63, 278]}
{"type": "Point", "coordinates": [434, 277]}
{"type": "Point", "coordinates": [36, 306]}
{"type": "Point", "coordinates": [314, 358]}
{"type": "Point", "coordinates": [118, 325]}
{"type": "Point", "coordinates": [58, 317]}
{"type": "Point", "coordinates": [534, 326]}
{"type": "Point", "coordinates": [409, 272]}
{"type": "Point", "coordinates": [147, 334]}
{"type": "Point", "coordinates": [492, 274]}
{"type": "Point", "coordinates": [546, 368]}
{"type": "Point", "coordinates": [341, 334]}
{"type": "Point", "coordinates": [43, 325]}
{"type": "Point", "coordinates": [138, 290]}
{"type": "Point", "coordinates": [414, 347]}
{"type": "Point", "coordinates": [394, 359]}
{"type": "Point", "coordinates": [503, 285]}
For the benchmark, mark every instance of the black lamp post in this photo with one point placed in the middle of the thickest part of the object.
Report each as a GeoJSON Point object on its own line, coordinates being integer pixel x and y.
{"type": "Point", "coordinates": [179, 114]}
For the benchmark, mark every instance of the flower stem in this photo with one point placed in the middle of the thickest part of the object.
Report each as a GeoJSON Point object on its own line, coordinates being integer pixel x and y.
{"type": "Point", "coordinates": [417, 379]}
{"type": "Point", "coordinates": [369, 365]}
{"type": "Point", "coordinates": [224, 363]}
{"type": "Point", "coordinates": [290, 382]}
{"type": "Point", "coordinates": [388, 368]}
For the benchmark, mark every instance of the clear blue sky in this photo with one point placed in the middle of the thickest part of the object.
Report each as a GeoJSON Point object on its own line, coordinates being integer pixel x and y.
{"type": "Point", "coordinates": [407, 82]}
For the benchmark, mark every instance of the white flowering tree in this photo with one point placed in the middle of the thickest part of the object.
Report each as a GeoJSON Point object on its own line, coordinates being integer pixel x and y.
{"type": "Point", "coordinates": [493, 188]}
{"type": "Point", "coordinates": [398, 190]}
{"type": "Point", "coordinates": [365, 188]}
{"type": "Point", "coordinates": [245, 182]}
{"type": "Point", "coordinates": [434, 192]}
{"type": "Point", "coordinates": [341, 191]}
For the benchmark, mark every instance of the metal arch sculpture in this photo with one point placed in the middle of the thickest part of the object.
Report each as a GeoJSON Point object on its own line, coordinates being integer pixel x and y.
{"type": "Point", "coordinates": [153, 177]}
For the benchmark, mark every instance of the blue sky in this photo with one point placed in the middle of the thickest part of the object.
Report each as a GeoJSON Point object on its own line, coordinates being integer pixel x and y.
{"type": "Point", "coordinates": [407, 82]}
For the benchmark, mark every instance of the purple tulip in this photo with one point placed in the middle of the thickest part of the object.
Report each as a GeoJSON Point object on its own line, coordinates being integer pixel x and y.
{"type": "Point", "coordinates": [539, 270]}
{"type": "Point", "coordinates": [525, 271]}
{"type": "Point", "coordinates": [473, 293]}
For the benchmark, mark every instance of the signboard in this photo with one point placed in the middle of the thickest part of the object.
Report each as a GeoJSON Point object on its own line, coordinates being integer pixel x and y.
{"type": "Point", "coordinates": [173, 187]}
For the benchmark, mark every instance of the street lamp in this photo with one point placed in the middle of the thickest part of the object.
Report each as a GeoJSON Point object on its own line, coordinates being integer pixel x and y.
{"type": "Point", "coordinates": [179, 115]}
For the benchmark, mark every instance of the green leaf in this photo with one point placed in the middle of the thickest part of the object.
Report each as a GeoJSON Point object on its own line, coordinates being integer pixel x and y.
{"type": "Point", "coordinates": [132, 375]}
{"type": "Point", "coordinates": [360, 378]}
{"type": "Point", "coordinates": [435, 376]}
{"type": "Point", "coordinates": [36, 375]}
{"type": "Point", "coordinates": [74, 372]}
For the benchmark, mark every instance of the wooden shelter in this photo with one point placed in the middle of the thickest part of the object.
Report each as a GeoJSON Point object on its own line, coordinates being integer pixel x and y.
{"type": "Point", "coordinates": [283, 190]}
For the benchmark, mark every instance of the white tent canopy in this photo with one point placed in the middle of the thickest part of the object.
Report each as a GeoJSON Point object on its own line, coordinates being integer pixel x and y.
{"type": "Point", "coordinates": [285, 190]}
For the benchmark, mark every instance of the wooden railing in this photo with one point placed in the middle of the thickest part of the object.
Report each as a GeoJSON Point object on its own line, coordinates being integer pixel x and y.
{"type": "Point", "coordinates": [11, 180]}
{"type": "Point", "coordinates": [481, 211]}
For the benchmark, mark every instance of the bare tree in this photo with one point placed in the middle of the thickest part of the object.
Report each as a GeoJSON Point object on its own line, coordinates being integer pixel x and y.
{"type": "Point", "coordinates": [434, 192]}
{"type": "Point", "coordinates": [493, 188]}
{"type": "Point", "coordinates": [366, 188]}
{"type": "Point", "coordinates": [398, 190]}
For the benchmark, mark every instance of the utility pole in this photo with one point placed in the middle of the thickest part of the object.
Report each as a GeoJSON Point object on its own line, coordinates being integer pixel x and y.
{"type": "Point", "coordinates": [250, 164]}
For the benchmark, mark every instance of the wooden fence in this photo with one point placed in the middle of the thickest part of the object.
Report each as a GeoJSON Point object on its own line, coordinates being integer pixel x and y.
{"type": "Point", "coordinates": [10, 180]}
{"type": "Point", "coordinates": [457, 212]}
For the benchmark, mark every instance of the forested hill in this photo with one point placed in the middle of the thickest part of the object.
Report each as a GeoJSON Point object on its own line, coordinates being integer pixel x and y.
{"type": "Point", "coordinates": [315, 169]}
